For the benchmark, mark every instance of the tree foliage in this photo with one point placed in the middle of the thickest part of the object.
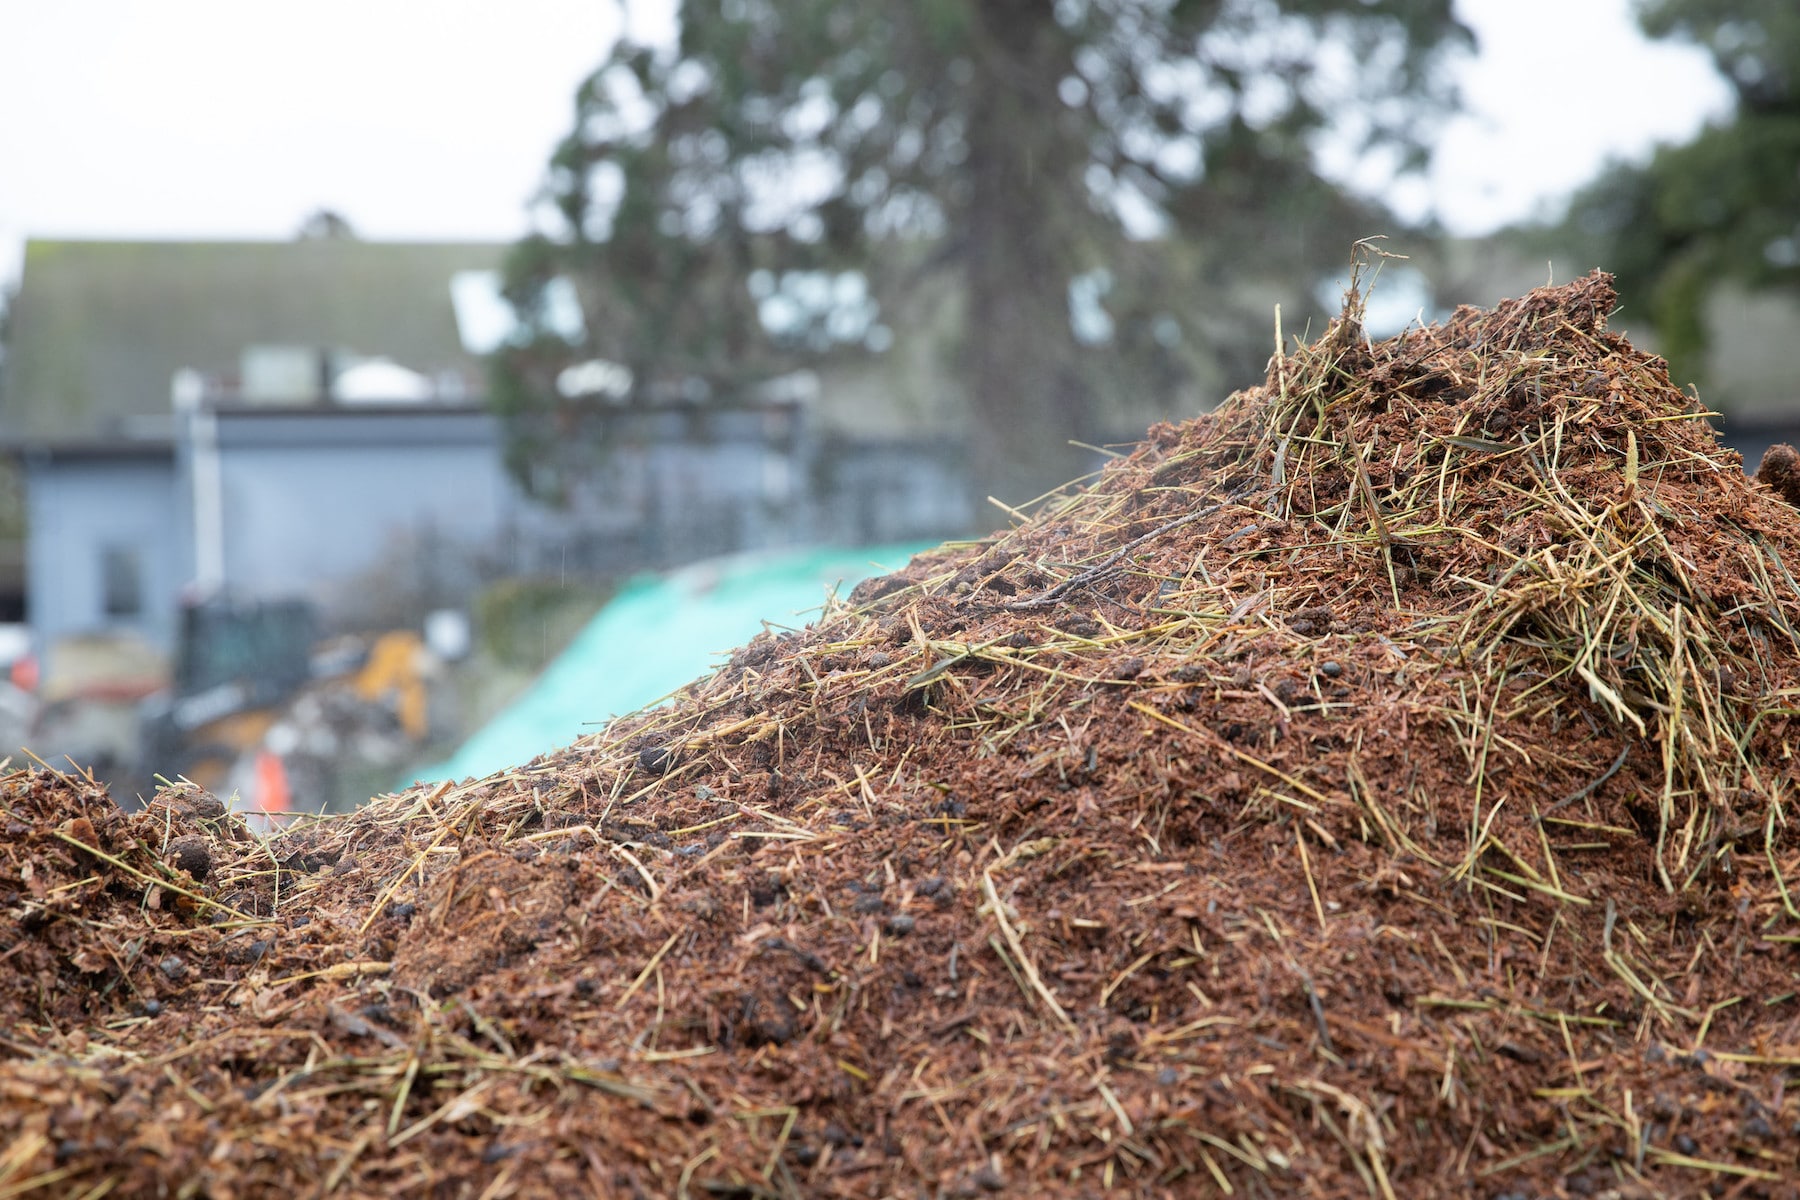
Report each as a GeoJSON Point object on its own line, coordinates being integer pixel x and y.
{"type": "Point", "coordinates": [771, 190]}
{"type": "Point", "coordinates": [1723, 206]}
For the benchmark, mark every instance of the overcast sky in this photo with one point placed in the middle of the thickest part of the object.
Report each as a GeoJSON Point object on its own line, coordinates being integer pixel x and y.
{"type": "Point", "coordinates": [236, 118]}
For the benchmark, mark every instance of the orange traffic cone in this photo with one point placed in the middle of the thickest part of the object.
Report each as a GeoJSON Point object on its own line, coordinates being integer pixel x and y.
{"type": "Point", "coordinates": [272, 793]}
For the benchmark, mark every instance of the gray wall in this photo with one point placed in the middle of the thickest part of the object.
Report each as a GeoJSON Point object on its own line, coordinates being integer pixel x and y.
{"type": "Point", "coordinates": [672, 486]}
{"type": "Point", "coordinates": [891, 491]}
{"type": "Point", "coordinates": [316, 504]}
{"type": "Point", "coordinates": [377, 514]}
{"type": "Point", "coordinates": [79, 506]}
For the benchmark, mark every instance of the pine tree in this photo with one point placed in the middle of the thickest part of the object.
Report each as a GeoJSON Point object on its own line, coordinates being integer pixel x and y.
{"type": "Point", "coordinates": [1141, 161]}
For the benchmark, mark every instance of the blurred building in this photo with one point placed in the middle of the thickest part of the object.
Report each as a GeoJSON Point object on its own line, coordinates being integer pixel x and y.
{"type": "Point", "coordinates": [272, 421]}
{"type": "Point", "coordinates": [178, 416]}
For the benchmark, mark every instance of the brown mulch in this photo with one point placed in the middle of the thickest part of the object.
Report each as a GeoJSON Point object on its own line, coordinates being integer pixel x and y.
{"type": "Point", "coordinates": [1780, 469]}
{"type": "Point", "coordinates": [1380, 786]}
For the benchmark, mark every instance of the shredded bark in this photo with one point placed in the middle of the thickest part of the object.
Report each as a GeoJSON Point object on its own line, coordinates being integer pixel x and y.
{"type": "Point", "coordinates": [1376, 787]}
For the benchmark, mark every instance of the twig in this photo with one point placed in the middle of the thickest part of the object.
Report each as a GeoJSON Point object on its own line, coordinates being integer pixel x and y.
{"type": "Point", "coordinates": [1104, 567]}
{"type": "Point", "coordinates": [645, 973]}
{"type": "Point", "coordinates": [169, 885]}
{"type": "Point", "coordinates": [1018, 949]}
{"type": "Point", "coordinates": [1591, 788]}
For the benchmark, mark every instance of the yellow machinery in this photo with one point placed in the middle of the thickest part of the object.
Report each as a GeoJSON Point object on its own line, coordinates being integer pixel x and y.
{"type": "Point", "coordinates": [246, 678]}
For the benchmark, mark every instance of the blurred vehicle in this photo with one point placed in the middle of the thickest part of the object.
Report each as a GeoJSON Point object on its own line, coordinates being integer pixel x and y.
{"type": "Point", "coordinates": [260, 706]}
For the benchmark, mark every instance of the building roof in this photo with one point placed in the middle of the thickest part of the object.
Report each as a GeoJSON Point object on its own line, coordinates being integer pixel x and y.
{"type": "Point", "coordinates": [99, 328]}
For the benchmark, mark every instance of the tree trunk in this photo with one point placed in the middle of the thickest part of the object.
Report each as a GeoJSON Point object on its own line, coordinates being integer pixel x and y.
{"type": "Point", "coordinates": [1026, 396]}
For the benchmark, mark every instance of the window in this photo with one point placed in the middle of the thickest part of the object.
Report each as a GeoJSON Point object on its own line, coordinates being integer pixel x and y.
{"type": "Point", "coordinates": [121, 581]}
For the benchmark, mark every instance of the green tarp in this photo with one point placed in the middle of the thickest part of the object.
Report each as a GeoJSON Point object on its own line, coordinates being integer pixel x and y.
{"type": "Point", "coordinates": [656, 635]}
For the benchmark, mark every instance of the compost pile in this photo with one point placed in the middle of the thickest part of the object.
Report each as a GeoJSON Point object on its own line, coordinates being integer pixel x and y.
{"type": "Point", "coordinates": [1381, 786]}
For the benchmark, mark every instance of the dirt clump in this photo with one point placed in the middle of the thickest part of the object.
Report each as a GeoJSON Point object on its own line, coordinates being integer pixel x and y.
{"type": "Point", "coordinates": [1379, 786]}
{"type": "Point", "coordinates": [1780, 469]}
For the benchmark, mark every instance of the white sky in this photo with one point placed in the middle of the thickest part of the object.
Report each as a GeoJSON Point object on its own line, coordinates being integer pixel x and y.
{"type": "Point", "coordinates": [416, 119]}
{"type": "Point", "coordinates": [1560, 87]}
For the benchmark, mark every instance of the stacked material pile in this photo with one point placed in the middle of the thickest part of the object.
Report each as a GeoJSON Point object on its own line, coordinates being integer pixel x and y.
{"type": "Point", "coordinates": [1381, 786]}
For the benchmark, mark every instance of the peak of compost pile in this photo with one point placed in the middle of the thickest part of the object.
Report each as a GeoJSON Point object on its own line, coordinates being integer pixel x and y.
{"type": "Point", "coordinates": [1380, 786]}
